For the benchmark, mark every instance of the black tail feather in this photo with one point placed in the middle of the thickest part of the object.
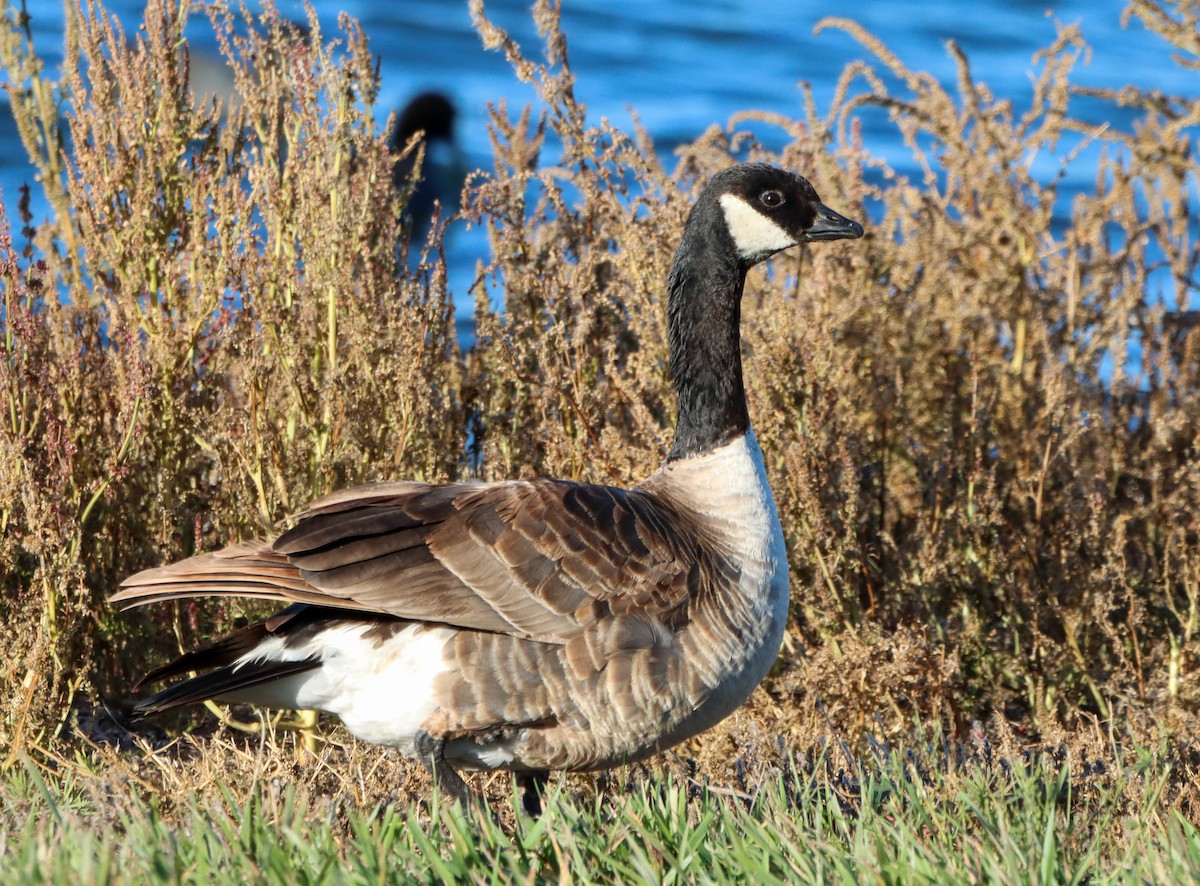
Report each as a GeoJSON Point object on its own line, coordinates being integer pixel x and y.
{"type": "Point", "coordinates": [224, 651]}
{"type": "Point", "coordinates": [228, 649]}
{"type": "Point", "coordinates": [223, 681]}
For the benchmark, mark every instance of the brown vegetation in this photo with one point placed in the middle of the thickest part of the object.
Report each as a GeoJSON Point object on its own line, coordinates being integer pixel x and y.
{"type": "Point", "coordinates": [984, 524]}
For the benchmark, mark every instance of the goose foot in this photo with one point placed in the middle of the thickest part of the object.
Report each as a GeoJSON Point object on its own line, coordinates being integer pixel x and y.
{"type": "Point", "coordinates": [432, 754]}
{"type": "Point", "coordinates": [533, 786]}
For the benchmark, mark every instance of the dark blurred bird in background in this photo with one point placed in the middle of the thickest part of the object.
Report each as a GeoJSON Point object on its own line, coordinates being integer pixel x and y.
{"type": "Point", "coordinates": [431, 167]}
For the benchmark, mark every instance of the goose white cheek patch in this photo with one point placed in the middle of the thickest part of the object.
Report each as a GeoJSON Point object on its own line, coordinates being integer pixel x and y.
{"type": "Point", "coordinates": [753, 233]}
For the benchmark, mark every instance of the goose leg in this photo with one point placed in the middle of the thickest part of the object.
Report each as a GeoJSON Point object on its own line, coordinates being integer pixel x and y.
{"type": "Point", "coordinates": [533, 786]}
{"type": "Point", "coordinates": [432, 754]}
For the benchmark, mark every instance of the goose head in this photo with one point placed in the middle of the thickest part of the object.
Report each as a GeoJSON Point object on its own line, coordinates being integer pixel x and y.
{"type": "Point", "coordinates": [744, 215]}
{"type": "Point", "coordinates": [430, 113]}
{"type": "Point", "coordinates": [764, 209]}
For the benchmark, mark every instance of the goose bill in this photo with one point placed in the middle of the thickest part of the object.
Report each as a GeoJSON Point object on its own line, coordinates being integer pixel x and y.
{"type": "Point", "coordinates": [830, 225]}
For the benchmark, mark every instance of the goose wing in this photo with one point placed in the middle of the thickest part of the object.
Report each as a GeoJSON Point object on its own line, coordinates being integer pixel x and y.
{"type": "Point", "coordinates": [540, 560]}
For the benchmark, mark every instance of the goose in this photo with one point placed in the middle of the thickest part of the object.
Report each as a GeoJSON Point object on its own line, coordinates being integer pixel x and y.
{"type": "Point", "coordinates": [536, 625]}
{"type": "Point", "coordinates": [429, 117]}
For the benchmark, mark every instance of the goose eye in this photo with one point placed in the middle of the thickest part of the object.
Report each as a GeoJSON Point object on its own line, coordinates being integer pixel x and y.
{"type": "Point", "coordinates": [771, 199]}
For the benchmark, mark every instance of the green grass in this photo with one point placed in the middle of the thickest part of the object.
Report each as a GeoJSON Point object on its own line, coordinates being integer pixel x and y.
{"type": "Point", "coordinates": [899, 819]}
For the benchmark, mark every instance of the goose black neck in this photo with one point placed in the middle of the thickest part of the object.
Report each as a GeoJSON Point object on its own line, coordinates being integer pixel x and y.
{"type": "Point", "coordinates": [704, 329]}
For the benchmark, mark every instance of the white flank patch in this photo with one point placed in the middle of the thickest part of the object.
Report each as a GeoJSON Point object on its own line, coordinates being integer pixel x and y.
{"type": "Point", "coordinates": [754, 235]}
{"type": "Point", "coordinates": [383, 692]}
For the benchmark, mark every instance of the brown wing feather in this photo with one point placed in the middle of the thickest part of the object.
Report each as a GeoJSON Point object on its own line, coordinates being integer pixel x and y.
{"type": "Point", "coordinates": [540, 559]}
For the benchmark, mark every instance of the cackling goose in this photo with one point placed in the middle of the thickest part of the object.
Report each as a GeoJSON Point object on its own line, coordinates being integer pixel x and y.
{"type": "Point", "coordinates": [545, 624]}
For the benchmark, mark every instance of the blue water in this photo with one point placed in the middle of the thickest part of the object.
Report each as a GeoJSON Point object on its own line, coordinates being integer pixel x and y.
{"type": "Point", "coordinates": [683, 66]}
